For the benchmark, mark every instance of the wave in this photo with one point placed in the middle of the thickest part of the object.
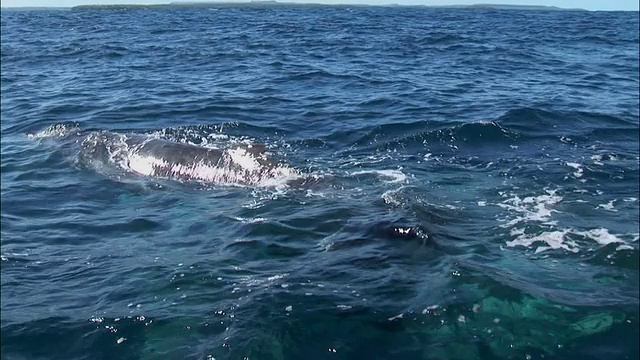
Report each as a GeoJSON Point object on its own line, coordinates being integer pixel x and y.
{"type": "Point", "coordinates": [517, 126]}
{"type": "Point", "coordinates": [320, 74]}
{"type": "Point", "coordinates": [597, 39]}
{"type": "Point", "coordinates": [394, 136]}
{"type": "Point", "coordinates": [536, 120]}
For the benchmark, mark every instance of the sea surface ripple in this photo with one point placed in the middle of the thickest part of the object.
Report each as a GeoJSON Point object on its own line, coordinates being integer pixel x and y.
{"type": "Point", "coordinates": [475, 190]}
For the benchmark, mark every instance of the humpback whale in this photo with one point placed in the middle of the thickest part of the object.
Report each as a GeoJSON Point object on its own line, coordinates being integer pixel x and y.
{"type": "Point", "coordinates": [241, 164]}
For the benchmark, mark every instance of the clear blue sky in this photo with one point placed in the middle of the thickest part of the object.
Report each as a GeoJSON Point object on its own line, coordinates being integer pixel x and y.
{"type": "Point", "coordinates": [584, 4]}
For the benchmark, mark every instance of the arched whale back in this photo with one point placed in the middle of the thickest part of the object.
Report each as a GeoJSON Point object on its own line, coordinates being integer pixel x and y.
{"type": "Point", "coordinates": [239, 164]}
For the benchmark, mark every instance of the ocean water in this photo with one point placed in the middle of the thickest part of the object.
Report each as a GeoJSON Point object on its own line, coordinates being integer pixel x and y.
{"type": "Point", "coordinates": [474, 194]}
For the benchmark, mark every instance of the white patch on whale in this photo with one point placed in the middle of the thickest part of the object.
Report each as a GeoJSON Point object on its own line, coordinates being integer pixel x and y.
{"type": "Point", "coordinates": [236, 167]}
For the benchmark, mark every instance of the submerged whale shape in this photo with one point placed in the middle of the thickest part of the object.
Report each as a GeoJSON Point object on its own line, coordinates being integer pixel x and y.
{"type": "Point", "coordinates": [155, 157]}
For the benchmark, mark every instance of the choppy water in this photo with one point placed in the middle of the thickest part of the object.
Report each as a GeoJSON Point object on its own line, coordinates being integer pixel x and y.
{"type": "Point", "coordinates": [475, 190]}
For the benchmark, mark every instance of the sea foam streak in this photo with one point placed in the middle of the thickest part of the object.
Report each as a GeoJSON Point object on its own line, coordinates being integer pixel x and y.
{"type": "Point", "coordinates": [394, 176]}
{"type": "Point", "coordinates": [539, 209]}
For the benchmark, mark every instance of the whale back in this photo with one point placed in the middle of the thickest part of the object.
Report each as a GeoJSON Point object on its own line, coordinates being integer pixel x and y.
{"type": "Point", "coordinates": [245, 164]}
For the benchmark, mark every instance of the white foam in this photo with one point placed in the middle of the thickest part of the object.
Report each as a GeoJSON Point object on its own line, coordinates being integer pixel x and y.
{"type": "Point", "coordinates": [390, 197]}
{"type": "Point", "coordinates": [558, 239]}
{"type": "Point", "coordinates": [244, 159]}
{"type": "Point", "coordinates": [578, 167]}
{"type": "Point", "coordinates": [116, 147]}
{"type": "Point", "coordinates": [430, 308]}
{"type": "Point", "coordinates": [602, 236]}
{"type": "Point", "coordinates": [278, 177]}
{"type": "Point", "coordinates": [552, 239]}
{"type": "Point", "coordinates": [532, 208]}
{"type": "Point", "coordinates": [249, 220]}
{"type": "Point", "coordinates": [311, 193]}
{"type": "Point", "coordinates": [540, 209]}
{"type": "Point", "coordinates": [395, 176]}
{"type": "Point", "coordinates": [256, 282]}
{"type": "Point", "coordinates": [607, 206]}
{"type": "Point", "coordinates": [597, 160]}
{"type": "Point", "coordinates": [218, 136]}
{"type": "Point", "coordinates": [58, 130]}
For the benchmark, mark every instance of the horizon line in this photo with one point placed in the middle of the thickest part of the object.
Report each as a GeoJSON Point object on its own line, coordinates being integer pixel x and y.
{"type": "Point", "coordinates": [214, 3]}
{"type": "Point", "coordinates": [268, 2]}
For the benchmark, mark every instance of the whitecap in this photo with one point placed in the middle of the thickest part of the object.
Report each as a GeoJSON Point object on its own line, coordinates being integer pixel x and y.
{"type": "Point", "coordinates": [532, 208]}
{"type": "Point", "coordinates": [578, 167]}
{"type": "Point", "coordinates": [607, 206]}
{"type": "Point", "coordinates": [57, 130]}
{"type": "Point", "coordinates": [552, 239]}
{"type": "Point", "coordinates": [602, 236]}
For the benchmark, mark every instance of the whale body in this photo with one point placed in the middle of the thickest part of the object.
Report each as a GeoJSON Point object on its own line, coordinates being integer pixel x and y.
{"type": "Point", "coordinates": [241, 164]}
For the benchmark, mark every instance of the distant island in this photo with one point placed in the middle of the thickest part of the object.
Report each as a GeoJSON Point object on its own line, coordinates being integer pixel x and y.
{"type": "Point", "coordinates": [273, 3]}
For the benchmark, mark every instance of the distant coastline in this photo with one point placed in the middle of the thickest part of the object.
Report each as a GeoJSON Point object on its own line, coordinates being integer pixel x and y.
{"type": "Point", "coordinates": [270, 3]}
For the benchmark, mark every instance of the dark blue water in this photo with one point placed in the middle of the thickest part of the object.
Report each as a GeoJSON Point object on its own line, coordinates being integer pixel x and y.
{"type": "Point", "coordinates": [475, 194]}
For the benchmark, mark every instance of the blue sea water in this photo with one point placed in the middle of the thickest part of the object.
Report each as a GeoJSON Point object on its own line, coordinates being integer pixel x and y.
{"type": "Point", "coordinates": [476, 192]}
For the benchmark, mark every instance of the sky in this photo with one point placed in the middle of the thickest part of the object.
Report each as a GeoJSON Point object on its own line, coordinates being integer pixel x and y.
{"type": "Point", "coordinates": [583, 4]}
